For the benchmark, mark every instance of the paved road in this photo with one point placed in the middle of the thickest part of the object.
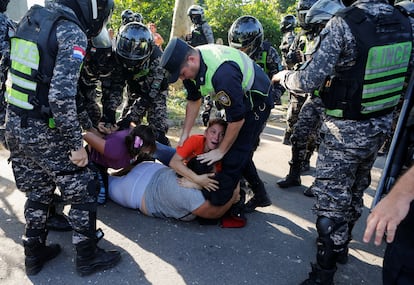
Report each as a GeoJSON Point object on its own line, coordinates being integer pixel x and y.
{"type": "Point", "coordinates": [275, 247]}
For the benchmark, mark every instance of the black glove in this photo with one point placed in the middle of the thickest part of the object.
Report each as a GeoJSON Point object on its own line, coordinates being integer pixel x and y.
{"type": "Point", "coordinates": [108, 117]}
{"type": "Point", "coordinates": [124, 123]}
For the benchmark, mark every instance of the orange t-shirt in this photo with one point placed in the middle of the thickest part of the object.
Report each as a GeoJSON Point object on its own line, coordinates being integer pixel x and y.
{"type": "Point", "coordinates": [192, 147]}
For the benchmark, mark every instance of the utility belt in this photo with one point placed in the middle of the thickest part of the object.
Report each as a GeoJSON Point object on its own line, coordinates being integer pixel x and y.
{"type": "Point", "coordinates": [43, 114]}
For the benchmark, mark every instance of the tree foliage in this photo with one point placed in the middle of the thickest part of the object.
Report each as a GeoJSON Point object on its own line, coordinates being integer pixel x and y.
{"type": "Point", "coordinates": [220, 14]}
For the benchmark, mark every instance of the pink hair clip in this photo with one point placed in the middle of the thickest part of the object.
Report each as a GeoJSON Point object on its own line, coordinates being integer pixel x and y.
{"type": "Point", "coordinates": [138, 142]}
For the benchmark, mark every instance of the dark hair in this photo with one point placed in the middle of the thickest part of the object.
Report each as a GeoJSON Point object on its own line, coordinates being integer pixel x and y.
{"type": "Point", "coordinates": [198, 167]}
{"type": "Point", "coordinates": [147, 135]}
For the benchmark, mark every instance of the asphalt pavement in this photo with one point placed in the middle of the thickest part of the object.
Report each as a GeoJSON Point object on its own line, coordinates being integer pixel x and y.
{"type": "Point", "coordinates": [276, 246]}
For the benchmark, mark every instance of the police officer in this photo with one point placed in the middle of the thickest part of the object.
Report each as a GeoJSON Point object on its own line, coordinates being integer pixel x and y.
{"type": "Point", "coordinates": [305, 135]}
{"type": "Point", "coordinates": [240, 86]}
{"type": "Point", "coordinates": [287, 28]}
{"type": "Point", "coordinates": [43, 131]}
{"type": "Point", "coordinates": [138, 67]}
{"type": "Point", "coordinates": [201, 32]}
{"type": "Point", "coordinates": [359, 92]}
{"type": "Point", "coordinates": [7, 28]}
{"type": "Point", "coordinates": [294, 59]}
{"type": "Point", "coordinates": [96, 70]}
{"type": "Point", "coordinates": [246, 34]}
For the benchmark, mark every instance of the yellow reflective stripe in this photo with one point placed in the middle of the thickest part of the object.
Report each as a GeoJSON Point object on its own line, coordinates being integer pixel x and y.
{"type": "Point", "coordinates": [24, 83]}
{"type": "Point", "coordinates": [382, 72]}
{"type": "Point", "coordinates": [335, 113]}
{"type": "Point", "coordinates": [18, 99]}
{"type": "Point", "coordinates": [21, 68]}
{"type": "Point", "coordinates": [380, 88]}
{"type": "Point", "coordinates": [24, 52]}
{"type": "Point", "coordinates": [379, 105]}
{"type": "Point", "coordinates": [248, 72]}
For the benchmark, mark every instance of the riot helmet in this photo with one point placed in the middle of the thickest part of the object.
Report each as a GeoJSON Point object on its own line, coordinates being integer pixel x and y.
{"type": "Point", "coordinates": [322, 11]}
{"type": "Point", "coordinates": [134, 45]}
{"type": "Point", "coordinates": [138, 18]}
{"type": "Point", "coordinates": [100, 51]}
{"type": "Point", "coordinates": [127, 16]}
{"type": "Point", "coordinates": [288, 23]}
{"type": "Point", "coordinates": [301, 10]}
{"type": "Point", "coordinates": [196, 14]}
{"type": "Point", "coordinates": [95, 14]}
{"type": "Point", "coordinates": [3, 5]}
{"type": "Point", "coordinates": [246, 34]}
{"type": "Point", "coordinates": [92, 14]}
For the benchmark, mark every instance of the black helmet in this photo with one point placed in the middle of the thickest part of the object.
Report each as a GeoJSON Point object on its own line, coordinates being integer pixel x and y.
{"type": "Point", "coordinates": [322, 11]}
{"type": "Point", "coordinates": [134, 45]}
{"type": "Point", "coordinates": [127, 16]}
{"type": "Point", "coordinates": [3, 5]}
{"type": "Point", "coordinates": [196, 14]}
{"type": "Point", "coordinates": [246, 34]}
{"type": "Point", "coordinates": [301, 10]}
{"type": "Point", "coordinates": [288, 23]}
{"type": "Point", "coordinates": [99, 53]}
{"type": "Point", "coordinates": [138, 18]}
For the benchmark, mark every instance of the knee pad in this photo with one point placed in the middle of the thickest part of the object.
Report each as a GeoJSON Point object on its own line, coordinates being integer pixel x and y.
{"type": "Point", "coordinates": [326, 255]}
{"type": "Point", "coordinates": [36, 206]}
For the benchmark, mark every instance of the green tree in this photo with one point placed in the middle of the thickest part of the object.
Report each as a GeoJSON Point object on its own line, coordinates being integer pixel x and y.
{"type": "Point", "coordinates": [220, 14]}
{"type": "Point", "coordinates": [158, 12]}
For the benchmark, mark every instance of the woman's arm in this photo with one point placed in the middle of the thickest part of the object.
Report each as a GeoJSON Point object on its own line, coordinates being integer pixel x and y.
{"type": "Point", "coordinates": [203, 180]}
{"type": "Point", "coordinates": [95, 141]}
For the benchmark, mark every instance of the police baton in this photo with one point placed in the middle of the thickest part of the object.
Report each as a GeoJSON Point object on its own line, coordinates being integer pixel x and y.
{"type": "Point", "coordinates": [398, 148]}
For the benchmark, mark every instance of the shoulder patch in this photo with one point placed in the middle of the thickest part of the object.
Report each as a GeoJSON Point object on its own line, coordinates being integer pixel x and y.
{"type": "Point", "coordinates": [78, 52]}
{"type": "Point", "coordinates": [223, 99]}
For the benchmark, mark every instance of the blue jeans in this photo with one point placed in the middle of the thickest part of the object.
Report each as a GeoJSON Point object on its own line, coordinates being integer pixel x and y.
{"type": "Point", "coordinates": [164, 153]}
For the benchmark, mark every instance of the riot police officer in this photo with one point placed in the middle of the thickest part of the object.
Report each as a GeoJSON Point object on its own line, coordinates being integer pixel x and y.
{"type": "Point", "coordinates": [201, 32]}
{"type": "Point", "coordinates": [7, 28]}
{"type": "Point", "coordinates": [294, 58]}
{"type": "Point", "coordinates": [359, 92]}
{"type": "Point", "coordinates": [138, 68]}
{"type": "Point", "coordinates": [43, 131]}
{"type": "Point", "coordinates": [287, 28]}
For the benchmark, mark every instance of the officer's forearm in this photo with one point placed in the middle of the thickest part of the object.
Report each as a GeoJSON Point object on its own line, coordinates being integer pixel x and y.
{"type": "Point", "coordinates": [232, 132]}
{"type": "Point", "coordinates": [191, 113]}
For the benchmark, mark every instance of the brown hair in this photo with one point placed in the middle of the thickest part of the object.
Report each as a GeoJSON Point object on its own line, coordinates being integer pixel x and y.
{"type": "Point", "coordinates": [217, 121]}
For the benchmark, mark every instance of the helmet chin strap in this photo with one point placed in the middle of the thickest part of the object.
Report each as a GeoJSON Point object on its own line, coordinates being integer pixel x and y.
{"type": "Point", "coordinates": [94, 9]}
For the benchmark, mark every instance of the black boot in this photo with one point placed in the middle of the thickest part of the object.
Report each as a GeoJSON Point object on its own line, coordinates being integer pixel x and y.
{"type": "Point", "coordinates": [37, 253]}
{"type": "Point", "coordinates": [91, 258]}
{"type": "Point", "coordinates": [308, 192]}
{"type": "Point", "coordinates": [260, 198]}
{"type": "Point", "coordinates": [293, 178]}
{"type": "Point", "coordinates": [342, 254]}
{"type": "Point", "coordinates": [305, 166]}
{"type": "Point", "coordinates": [320, 276]}
{"type": "Point", "coordinates": [286, 138]}
{"type": "Point", "coordinates": [57, 222]}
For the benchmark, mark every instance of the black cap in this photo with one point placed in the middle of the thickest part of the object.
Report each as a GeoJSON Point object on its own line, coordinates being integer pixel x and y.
{"type": "Point", "coordinates": [173, 57]}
